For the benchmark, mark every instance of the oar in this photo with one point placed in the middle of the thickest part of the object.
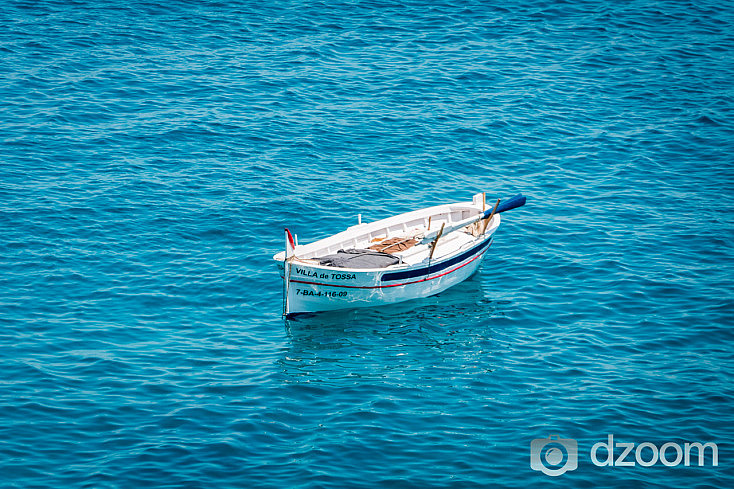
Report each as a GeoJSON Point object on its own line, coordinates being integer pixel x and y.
{"type": "Point", "coordinates": [511, 203]}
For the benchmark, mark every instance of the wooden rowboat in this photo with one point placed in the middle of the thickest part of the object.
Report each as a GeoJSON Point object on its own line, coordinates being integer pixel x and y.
{"type": "Point", "coordinates": [411, 255]}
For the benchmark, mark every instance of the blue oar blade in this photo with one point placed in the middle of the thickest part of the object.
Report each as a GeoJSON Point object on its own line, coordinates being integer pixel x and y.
{"type": "Point", "coordinates": [516, 201]}
{"type": "Point", "coordinates": [511, 203]}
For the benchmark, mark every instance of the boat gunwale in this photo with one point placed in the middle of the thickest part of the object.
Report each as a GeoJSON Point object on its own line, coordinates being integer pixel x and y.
{"type": "Point", "coordinates": [480, 240]}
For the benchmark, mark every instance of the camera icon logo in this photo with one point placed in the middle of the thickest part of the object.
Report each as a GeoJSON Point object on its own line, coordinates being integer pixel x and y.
{"type": "Point", "coordinates": [547, 455]}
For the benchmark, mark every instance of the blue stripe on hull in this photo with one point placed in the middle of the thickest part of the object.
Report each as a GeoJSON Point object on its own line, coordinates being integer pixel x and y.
{"type": "Point", "coordinates": [387, 277]}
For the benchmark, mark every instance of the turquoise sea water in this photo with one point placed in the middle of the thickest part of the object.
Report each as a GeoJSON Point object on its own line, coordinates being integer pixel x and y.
{"type": "Point", "coordinates": [152, 153]}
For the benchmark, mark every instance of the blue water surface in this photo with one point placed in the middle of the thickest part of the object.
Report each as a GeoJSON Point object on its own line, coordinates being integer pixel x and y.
{"type": "Point", "coordinates": [152, 154]}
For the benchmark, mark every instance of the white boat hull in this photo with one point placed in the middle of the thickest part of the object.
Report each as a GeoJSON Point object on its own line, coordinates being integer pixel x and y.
{"type": "Point", "coordinates": [313, 288]}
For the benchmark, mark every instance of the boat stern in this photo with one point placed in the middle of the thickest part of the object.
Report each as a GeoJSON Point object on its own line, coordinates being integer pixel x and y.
{"type": "Point", "coordinates": [279, 259]}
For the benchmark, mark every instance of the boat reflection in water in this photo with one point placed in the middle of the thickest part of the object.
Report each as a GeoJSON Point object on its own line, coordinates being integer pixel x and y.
{"type": "Point", "coordinates": [453, 328]}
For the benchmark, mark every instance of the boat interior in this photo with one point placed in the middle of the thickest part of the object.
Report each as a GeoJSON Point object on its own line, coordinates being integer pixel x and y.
{"type": "Point", "coordinates": [409, 237]}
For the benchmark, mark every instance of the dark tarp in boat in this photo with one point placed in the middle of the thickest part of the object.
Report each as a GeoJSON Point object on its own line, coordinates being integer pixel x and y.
{"type": "Point", "coordinates": [353, 258]}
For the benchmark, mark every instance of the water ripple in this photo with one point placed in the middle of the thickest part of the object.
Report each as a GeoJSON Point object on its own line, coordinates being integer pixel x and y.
{"type": "Point", "coordinates": [153, 153]}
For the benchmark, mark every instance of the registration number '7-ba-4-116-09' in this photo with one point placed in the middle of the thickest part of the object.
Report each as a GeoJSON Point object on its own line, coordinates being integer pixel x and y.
{"type": "Point", "coordinates": [322, 293]}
